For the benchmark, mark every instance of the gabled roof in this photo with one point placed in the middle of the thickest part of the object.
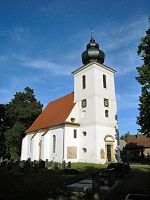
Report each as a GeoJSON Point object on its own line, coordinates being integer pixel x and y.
{"type": "Point", "coordinates": [138, 140]}
{"type": "Point", "coordinates": [55, 113]}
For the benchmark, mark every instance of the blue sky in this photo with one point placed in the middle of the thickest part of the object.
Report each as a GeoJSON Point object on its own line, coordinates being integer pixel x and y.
{"type": "Point", "coordinates": [42, 41]}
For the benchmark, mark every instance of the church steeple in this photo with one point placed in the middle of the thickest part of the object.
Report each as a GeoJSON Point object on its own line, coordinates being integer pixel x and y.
{"type": "Point", "coordinates": [92, 53]}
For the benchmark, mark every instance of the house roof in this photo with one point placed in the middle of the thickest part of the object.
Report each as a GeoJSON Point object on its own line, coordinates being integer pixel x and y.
{"type": "Point", "coordinates": [138, 141]}
{"type": "Point", "coordinates": [55, 113]}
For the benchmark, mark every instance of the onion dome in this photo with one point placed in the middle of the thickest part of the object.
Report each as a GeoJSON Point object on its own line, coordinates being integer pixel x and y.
{"type": "Point", "coordinates": [92, 53]}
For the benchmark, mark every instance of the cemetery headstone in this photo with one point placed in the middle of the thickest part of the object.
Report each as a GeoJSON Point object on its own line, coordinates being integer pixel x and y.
{"type": "Point", "coordinates": [111, 177]}
{"type": "Point", "coordinates": [96, 186]}
{"type": "Point", "coordinates": [63, 164]}
{"type": "Point", "coordinates": [41, 164]}
{"type": "Point", "coordinates": [69, 164]}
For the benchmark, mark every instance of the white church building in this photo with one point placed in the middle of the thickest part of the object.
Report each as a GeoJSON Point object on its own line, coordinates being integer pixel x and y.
{"type": "Point", "coordinates": [81, 126]}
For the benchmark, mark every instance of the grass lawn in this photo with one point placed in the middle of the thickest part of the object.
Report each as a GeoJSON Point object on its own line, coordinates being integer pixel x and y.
{"type": "Point", "coordinates": [137, 181]}
{"type": "Point", "coordinates": [83, 167]}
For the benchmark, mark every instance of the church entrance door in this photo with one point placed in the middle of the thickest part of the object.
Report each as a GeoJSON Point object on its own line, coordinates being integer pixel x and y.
{"type": "Point", "coordinates": [109, 153]}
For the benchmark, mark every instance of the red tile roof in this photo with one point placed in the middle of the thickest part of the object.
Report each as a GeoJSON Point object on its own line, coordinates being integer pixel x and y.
{"type": "Point", "coordinates": [55, 113]}
{"type": "Point", "coordinates": [139, 140]}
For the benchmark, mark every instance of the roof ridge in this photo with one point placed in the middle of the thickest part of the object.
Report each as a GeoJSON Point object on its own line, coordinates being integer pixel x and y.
{"type": "Point", "coordinates": [60, 97]}
{"type": "Point", "coordinates": [56, 112]}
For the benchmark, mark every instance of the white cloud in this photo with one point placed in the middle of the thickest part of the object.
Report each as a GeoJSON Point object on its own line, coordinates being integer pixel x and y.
{"type": "Point", "coordinates": [45, 65]}
{"type": "Point", "coordinates": [118, 36]}
{"type": "Point", "coordinates": [121, 43]}
{"type": "Point", "coordinates": [16, 33]}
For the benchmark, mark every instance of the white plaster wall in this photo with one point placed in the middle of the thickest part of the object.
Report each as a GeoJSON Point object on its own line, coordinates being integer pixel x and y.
{"type": "Point", "coordinates": [88, 142]}
{"type": "Point", "coordinates": [25, 147]}
{"type": "Point", "coordinates": [70, 141]}
{"type": "Point", "coordinates": [107, 93]}
{"type": "Point", "coordinates": [95, 94]}
{"type": "Point", "coordinates": [46, 146]}
{"type": "Point", "coordinates": [80, 93]}
{"type": "Point", "coordinates": [73, 114]}
{"type": "Point", "coordinates": [35, 146]}
{"type": "Point", "coordinates": [58, 155]}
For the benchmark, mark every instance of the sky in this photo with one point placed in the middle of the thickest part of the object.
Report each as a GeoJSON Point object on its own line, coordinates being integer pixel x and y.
{"type": "Point", "coordinates": [41, 42]}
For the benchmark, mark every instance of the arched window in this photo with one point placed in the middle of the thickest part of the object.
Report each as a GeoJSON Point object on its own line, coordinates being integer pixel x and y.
{"type": "Point", "coordinates": [54, 143]}
{"type": "Point", "coordinates": [30, 145]}
{"type": "Point", "coordinates": [104, 81]}
{"type": "Point", "coordinates": [83, 114]}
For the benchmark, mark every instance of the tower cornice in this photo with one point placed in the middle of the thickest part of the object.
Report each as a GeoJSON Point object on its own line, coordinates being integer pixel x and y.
{"type": "Point", "coordinates": [90, 64]}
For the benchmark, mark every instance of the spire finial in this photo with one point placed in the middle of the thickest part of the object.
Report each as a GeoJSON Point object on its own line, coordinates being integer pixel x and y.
{"type": "Point", "coordinates": [91, 32]}
{"type": "Point", "coordinates": [92, 39]}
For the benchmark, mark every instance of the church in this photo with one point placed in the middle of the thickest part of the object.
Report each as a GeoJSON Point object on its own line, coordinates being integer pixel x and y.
{"type": "Point", "coordinates": [81, 126]}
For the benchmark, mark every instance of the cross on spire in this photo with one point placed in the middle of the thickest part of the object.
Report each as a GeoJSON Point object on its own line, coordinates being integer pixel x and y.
{"type": "Point", "coordinates": [91, 33]}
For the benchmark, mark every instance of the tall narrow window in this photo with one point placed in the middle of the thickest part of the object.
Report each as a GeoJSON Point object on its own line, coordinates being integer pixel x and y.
{"type": "Point", "coordinates": [54, 143]}
{"type": "Point", "coordinates": [106, 113]}
{"type": "Point", "coordinates": [31, 145]}
{"type": "Point", "coordinates": [83, 81]}
{"type": "Point", "coordinates": [104, 80]}
{"type": "Point", "coordinates": [75, 133]}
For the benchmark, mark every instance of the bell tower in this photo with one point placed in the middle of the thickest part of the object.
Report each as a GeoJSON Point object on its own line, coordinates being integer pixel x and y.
{"type": "Point", "coordinates": [94, 95]}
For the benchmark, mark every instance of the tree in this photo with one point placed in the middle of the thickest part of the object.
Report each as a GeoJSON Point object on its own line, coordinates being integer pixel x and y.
{"type": "Point", "coordinates": [13, 139]}
{"type": "Point", "coordinates": [20, 114]}
{"type": "Point", "coordinates": [124, 137]}
{"type": "Point", "coordinates": [144, 79]}
{"type": "Point", "coordinates": [2, 130]}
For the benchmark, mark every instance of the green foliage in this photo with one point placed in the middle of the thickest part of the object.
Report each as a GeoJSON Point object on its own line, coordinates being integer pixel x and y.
{"type": "Point", "coordinates": [124, 137]}
{"type": "Point", "coordinates": [13, 139]}
{"type": "Point", "coordinates": [144, 79]}
{"type": "Point", "coordinates": [23, 108]}
{"type": "Point", "coordinates": [20, 113]}
{"type": "Point", "coordinates": [2, 130]}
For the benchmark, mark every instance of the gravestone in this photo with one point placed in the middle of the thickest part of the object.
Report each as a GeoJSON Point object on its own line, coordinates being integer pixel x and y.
{"type": "Point", "coordinates": [35, 165]}
{"type": "Point", "coordinates": [22, 165]}
{"type": "Point", "coordinates": [50, 165]}
{"type": "Point", "coordinates": [111, 177]}
{"type": "Point", "coordinates": [10, 164]}
{"type": "Point", "coordinates": [27, 164]}
{"type": "Point", "coordinates": [96, 186]}
{"type": "Point", "coordinates": [3, 164]}
{"type": "Point", "coordinates": [55, 165]}
{"type": "Point", "coordinates": [63, 164]}
{"type": "Point", "coordinates": [16, 168]}
{"type": "Point", "coordinates": [46, 163]}
{"type": "Point", "coordinates": [41, 164]}
{"type": "Point", "coordinates": [69, 165]}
